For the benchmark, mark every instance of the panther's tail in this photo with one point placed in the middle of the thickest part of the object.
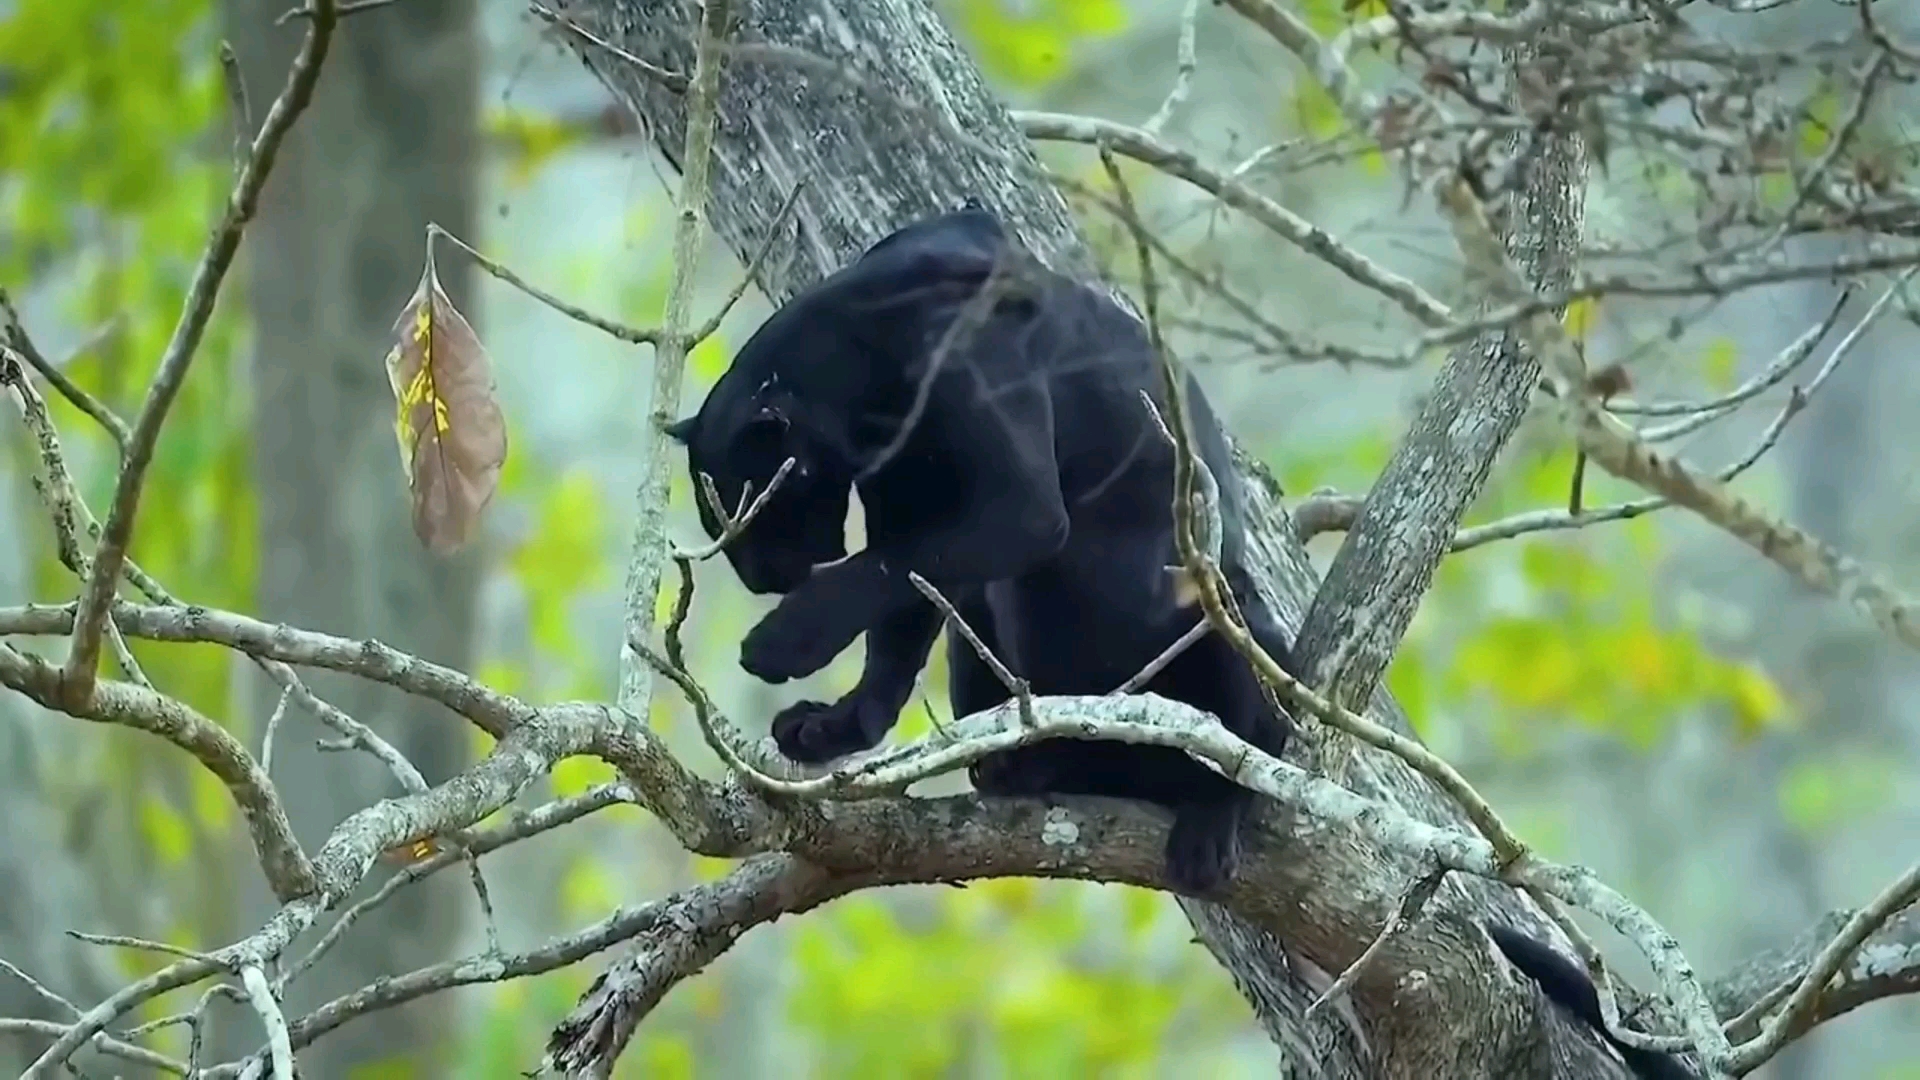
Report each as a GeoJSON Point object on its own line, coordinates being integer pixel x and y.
{"type": "Point", "coordinates": [1566, 984]}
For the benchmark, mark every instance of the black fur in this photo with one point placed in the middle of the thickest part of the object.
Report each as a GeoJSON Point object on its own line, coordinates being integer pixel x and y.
{"type": "Point", "coordinates": [1566, 984]}
{"type": "Point", "coordinates": [1032, 487]}
{"type": "Point", "coordinates": [989, 412]}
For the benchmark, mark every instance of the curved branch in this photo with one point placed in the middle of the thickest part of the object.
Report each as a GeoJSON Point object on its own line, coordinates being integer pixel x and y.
{"type": "Point", "coordinates": [516, 761]}
{"type": "Point", "coordinates": [907, 841]}
{"type": "Point", "coordinates": [491, 711]}
{"type": "Point", "coordinates": [288, 871]}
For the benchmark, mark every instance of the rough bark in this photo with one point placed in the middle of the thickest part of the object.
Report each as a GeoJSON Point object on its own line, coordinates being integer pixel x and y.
{"type": "Point", "coordinates": [890, 120]}
{"type": "Point", "coordinates": [390, 143]}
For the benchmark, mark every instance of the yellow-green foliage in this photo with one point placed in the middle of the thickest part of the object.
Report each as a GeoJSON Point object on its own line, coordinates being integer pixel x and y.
{"type": "Point", "coordinates": [1029, 43]}
{"type": "Point", "coordinates": [1029, 978]}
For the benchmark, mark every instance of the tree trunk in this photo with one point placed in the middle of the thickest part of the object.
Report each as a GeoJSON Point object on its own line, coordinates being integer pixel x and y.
{"type": "Point", "coordinates": [390, 143]}
{"type": "Point", "coordinates": [866, 101]}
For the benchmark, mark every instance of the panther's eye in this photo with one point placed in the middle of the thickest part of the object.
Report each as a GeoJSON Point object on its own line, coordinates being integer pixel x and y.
{"type": "Point", "coordinates": [760, 448]}
{"type": "Point", "coordinates": [757, 443]}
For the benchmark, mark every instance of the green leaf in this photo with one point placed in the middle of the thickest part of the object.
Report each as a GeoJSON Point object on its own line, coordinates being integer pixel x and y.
{"type": "Point", "coordinates": [1031, 45]}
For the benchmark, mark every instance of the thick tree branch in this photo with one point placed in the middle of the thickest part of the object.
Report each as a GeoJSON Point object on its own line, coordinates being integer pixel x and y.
{"type": "Point", "coordinates": [897, 841]}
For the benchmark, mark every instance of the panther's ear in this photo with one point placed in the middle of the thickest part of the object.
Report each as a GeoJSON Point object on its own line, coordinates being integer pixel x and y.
{"type": "Point", "coordinates": [681, 431]}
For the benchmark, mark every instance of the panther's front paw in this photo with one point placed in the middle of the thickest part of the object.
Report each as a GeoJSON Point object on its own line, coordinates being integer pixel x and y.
{"type": "Point", "coordinates": [780, 648]}
{"type": "Point", "coordinates": [1203, 847]}
{"type": "Point", "coordinates": [813, 733]}
{"type": "Point", "coordinates": [1011, 773]}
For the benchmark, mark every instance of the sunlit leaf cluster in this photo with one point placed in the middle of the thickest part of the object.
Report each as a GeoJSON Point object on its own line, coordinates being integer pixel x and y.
{"type": "Point", "coordinates": [1029, 43]}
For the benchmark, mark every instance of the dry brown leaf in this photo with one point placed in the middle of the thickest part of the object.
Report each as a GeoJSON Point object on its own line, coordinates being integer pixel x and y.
{"type": "Point", "coordinates": [453, 437]}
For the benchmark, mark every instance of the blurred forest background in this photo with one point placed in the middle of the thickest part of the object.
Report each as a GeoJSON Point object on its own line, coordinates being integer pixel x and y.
{"type": "Point", "coordinates": [1640, 696]}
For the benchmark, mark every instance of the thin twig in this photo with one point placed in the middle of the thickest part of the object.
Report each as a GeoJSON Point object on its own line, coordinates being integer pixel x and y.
{"type": "Point", "coordinates": [623, 332]}
{"type": "Point", "coordinates": [126, 1051]}
{"type": "Point", "coordinates": [343, 9]}
{"type": "Point", "coordinates": [1798, 1011]}
{"type": "Point", "coordinates": [273, 729]}
{"type": "Point", "coordinates": [1145, 148]}
{"type": "Point", "coordinates": [1784, 363]}
{"type": "Point", "coordinates": [121, 941]}
{"type": "Point", "coordinates": [1167, 656]}
{"type": "Point", "coordinates": [754, 265]}
{"type": "Point", "coordinates": [39, 989]}
{"type": "Point", "coordinates": [721, 736]}
{"type": "Point", "coordinates": [15, 334]}
{"type": "Point", "coordinates": [1403, 916]}
{"type": "Point", "coordinates": [735, 523]}
{"type": "Point", "coordinates": [672, 80]}
{"type": "Point", "coordinates": [1188, 63]}
{"type": "Point", "coordinates": [1017, 686]}
{"type": "Point", "coordinates": [237, 101]}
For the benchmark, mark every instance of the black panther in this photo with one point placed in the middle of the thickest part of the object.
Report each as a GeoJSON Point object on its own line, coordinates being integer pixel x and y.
{"type": "Point", "coordinates": [990, 412]}
{"type": "Point", "coordinates": [993, 416]}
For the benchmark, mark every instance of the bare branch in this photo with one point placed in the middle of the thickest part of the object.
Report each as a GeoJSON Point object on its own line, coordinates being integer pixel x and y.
{"type": "Point", "coordinates": [621, 331]}
{"type": "Point", "coordinates": [521, 825]}
{"type": "Point", "coordinates": [1145, 147]}
{"type": "Point", "coordinates": [491, 711]}
{"type": "Point", "coordinates": [1176, 99]}
{"type": "Point", "coordinates": [517, 760]}
{"type": "Point", "coordinates": [77, 675]}
{"type": "Point", "coordinates": [1614, 447]}
{"type": "Point", "coordinates": [1022, 693]}
{"type": "Point", "coordinates": [1798, 1013]}
{"type": "Point", "coordinates": [1403, 916]}
{"type": "Point", "coordinates": [754, 266]}
{"type": "Point", "coordinates": [650, 545]}
{"type": "Point", "coordinates": [14, 334]}
{"type": "Point", "coordinates": [672, 80]}
{"type": "Point", "coordinates": [125, 1051]}
{"type": "Point", "coordinates": [260, 995]}
{"type": "Point", "coordinates": [733, 522]}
